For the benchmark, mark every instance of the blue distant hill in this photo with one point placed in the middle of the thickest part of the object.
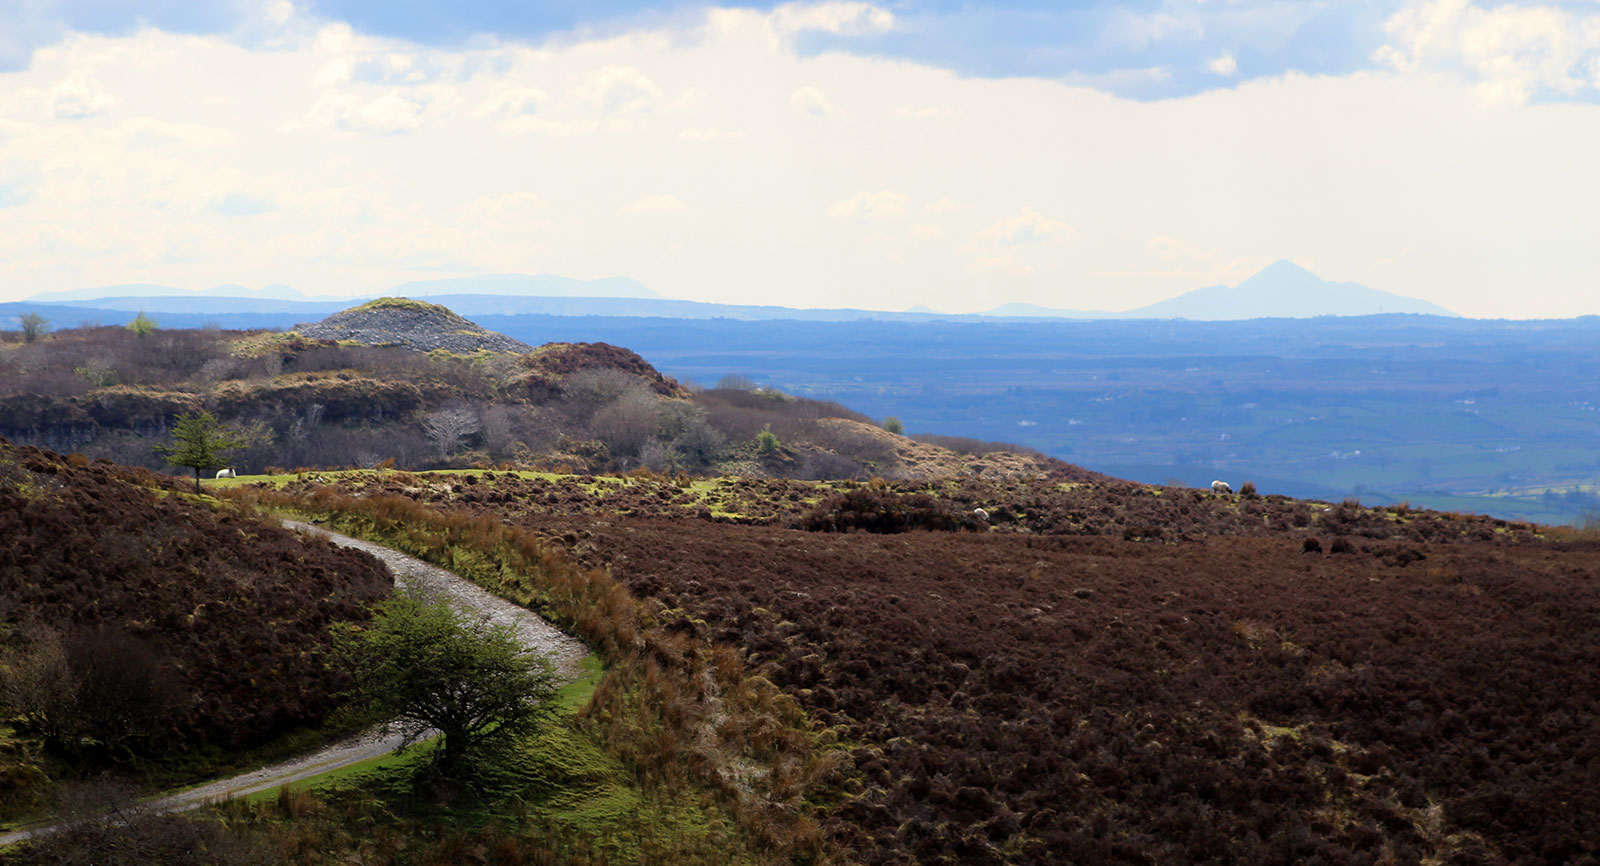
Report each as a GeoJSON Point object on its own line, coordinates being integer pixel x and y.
{"type": "Point", "coordinates": [1282, 290]}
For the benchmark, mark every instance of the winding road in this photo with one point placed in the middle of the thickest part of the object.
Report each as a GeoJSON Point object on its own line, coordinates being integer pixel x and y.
{"type": "Point", "coordinates": [537, 634]}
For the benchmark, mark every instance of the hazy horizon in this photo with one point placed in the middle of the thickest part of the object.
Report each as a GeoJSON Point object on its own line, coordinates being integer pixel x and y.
{"type": "Point", "coordinates": [1281, 278]}
{"type": "Point", "coordinates": [840, 154]}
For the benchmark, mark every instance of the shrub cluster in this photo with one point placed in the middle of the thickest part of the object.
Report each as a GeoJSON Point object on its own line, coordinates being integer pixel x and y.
{"type": "Point", "coordinates": [875, 509]}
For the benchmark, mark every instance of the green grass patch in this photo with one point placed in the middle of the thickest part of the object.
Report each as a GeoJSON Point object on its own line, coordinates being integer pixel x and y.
{"type": "Point", "coordinates": [560, 784]}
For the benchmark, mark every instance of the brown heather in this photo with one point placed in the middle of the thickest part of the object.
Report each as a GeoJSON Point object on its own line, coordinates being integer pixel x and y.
{"type": "Point", "coordinates": [676, 708]}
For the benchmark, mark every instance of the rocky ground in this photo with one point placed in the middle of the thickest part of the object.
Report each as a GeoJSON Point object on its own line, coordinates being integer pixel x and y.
{"type": "Point", "coordinates": [412, 324]}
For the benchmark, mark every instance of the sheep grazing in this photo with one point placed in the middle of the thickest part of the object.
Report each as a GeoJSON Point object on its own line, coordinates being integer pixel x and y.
{"type": "Point", "coordinates": [1221, 487]}
{"type": "Point", "coordinates": [981, 514]}
{"type": "Point", "coordinates": [226, 473]}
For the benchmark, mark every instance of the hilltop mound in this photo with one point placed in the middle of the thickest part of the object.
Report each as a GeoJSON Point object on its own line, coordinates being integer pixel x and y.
{"type": "Point", "coordinates": [412, 324]}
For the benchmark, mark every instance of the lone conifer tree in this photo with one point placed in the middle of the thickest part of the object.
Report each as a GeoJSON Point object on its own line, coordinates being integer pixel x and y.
{"type": "Point", "coordinates": [200, 442]}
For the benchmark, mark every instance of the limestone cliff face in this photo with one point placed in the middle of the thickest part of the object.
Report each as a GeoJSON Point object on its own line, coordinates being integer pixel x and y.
{"type": "Point", "coordinates": [413, 324]}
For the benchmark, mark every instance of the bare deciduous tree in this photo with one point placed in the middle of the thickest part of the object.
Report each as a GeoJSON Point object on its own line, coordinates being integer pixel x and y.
{"type": "Point", "coordinates": [586, 391]}
{"type": "Point", "coordinates": [628, 423]}
{"type": "Point", "coordinates": [450, 428]}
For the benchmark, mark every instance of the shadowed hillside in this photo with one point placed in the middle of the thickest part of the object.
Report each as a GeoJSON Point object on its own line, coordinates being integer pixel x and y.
{"type": "Point", "coordinates": [138, 623]}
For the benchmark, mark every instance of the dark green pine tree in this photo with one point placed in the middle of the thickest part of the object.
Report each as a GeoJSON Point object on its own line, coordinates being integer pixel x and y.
{"type": "Point", "coordinates": [200, 442]}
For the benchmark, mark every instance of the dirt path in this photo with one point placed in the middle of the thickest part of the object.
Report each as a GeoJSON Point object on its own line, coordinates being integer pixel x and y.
{"type": "Point", "coordinates": [565, 651]}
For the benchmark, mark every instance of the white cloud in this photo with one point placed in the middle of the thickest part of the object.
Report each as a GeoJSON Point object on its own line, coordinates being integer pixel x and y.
{"type": "Point", "coordinates": [809, 100]}
{"type": "Point", "coordinates": [658, 203]}
{"type": "Point", "coordinates": [1029, 227]}
{"type": "Point", "coordinates": [553, 128]}
{"type": "Point", "coordinates": [279, 12]}
{"type": "Point", "coordinates": [1168, 248]}
{"type": "Point", "coordinates": [1225, 65]}
{"type": "Point", "coordinates": [1513, 53]}
{"type": "Point", "coordinates": [871, 205]}
{"type": "Point", "coordinates": [1138, 30]}
{"type": "Point", "coordinates": [80, 95]}
{"type": "Point", "coordinates": [710, 133]}
{"type": "Point", "coordinates": [386, 114]}
{"type": "Point", "coordinates": [508, 207]}
{"type": "Point", "coordinates": [620, 90]}
{"type": "Point", "coordinates": [507, 160]}
{"type": "Point", "coordinates": [242, 204]}
{"type": "Point", "coordinates": [1004, 265]}
{"type": "Point", "coordinates": [511, 102]}
{"type": "Point", "coordinates": [842, 18]}
{"type": "Point", "coordinates": [924, 113]}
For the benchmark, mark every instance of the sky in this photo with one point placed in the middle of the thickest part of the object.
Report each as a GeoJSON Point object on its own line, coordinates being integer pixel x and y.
{"type": "Point", "coordinates": [953, 155]}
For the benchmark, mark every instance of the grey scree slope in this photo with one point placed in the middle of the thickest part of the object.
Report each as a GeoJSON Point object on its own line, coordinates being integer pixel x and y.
{"type": "Point", "coordinates": [420, 327]}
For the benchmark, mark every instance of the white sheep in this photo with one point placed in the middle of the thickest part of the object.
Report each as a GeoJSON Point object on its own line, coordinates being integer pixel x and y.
{"type": "Point", "coordinates": [1221, 487]}
{"type": "Point", "coordinates": [981, 514]}
{"type": "Point", "coordinates": [227, 473]}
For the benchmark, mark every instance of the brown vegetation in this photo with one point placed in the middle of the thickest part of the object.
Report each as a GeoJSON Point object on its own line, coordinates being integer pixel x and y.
{"type": "Point", "coordinates": [1022, 506]}
{"type": "Point", "coordinates": [1022, 695]}
{"type": "Point", "coordinates": [674, 708]}
{"type": "Point", "coordinates": [138, 620]}
{"type": "Point", "coordinates": [1040, 700]}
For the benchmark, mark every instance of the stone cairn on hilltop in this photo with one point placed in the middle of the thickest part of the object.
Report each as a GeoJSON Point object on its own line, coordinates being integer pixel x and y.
{"type": "Point", "coordinates": [415, 325]}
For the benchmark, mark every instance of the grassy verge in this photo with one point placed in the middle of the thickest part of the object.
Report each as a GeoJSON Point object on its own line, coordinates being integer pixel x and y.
{"type": "Point", "coordinates": [675, 714]}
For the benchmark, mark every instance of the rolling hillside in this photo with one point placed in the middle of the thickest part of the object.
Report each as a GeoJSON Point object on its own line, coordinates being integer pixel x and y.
{"type": "Point", "coordinates": [141, 627]}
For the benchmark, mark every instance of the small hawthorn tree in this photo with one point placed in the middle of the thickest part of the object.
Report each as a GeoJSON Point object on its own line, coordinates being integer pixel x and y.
{"type": "Point", "coordinates": [427, 667]}
{"type": "Point", "coordinates": [766, 440]}
{"type": "Point", "coordinates": [202, 443]}
{"type": "Point", "coordinates": [33, 326]}
{"type": "Point", "coordinates": [892, 424]}
{"type": "Point", "coordinates": [142, 325]}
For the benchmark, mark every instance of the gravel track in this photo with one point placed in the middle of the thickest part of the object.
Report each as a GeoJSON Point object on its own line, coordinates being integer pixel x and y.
{"type": "Point", "coordinates": [537, 634]}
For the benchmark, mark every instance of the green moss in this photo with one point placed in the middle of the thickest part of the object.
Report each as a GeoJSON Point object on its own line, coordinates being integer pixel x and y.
{"type": "Point", "coordinates": [402, 304]}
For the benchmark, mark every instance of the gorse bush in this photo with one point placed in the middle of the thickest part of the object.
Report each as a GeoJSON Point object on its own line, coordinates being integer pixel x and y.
{"type": "Point", "coordinates": [767, 441]}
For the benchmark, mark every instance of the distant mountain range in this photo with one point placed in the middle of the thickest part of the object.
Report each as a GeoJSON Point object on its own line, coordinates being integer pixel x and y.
{"type": "Point", "coordinates": [510, 285]}
{"type": "Point", "coordinates": [1282, 290]}
{"type": "Point", "coordinates": [522, 285]}
{"type": "Point", "coordinates": [276, 291]}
